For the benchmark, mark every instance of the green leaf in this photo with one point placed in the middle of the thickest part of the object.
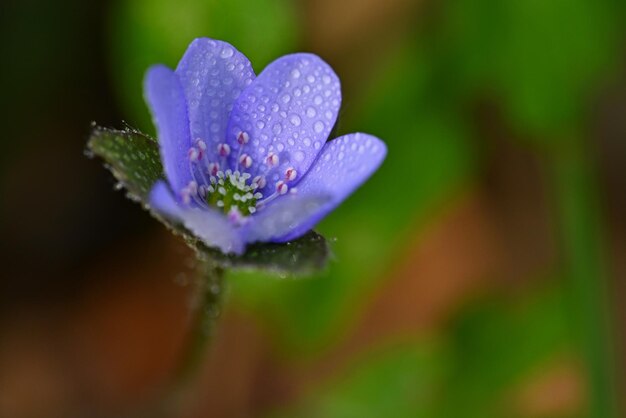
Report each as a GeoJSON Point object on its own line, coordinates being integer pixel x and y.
{"type": "Point", "coordinates": [134, 160]}
{"type": "Point", "coordinates": [132, 157]}
{"type": "Point", "coordinates": [302, 256]}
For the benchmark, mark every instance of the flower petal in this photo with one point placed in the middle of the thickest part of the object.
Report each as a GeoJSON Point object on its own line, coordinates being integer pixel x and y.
{"type": "Point", "coordinates": [282, 216]}
{"type": "Point", "coordinates": [289, 110]}
{"type": "Point", "coordinates": [166, 100]}
{"type": "Point", "coordinates": [208, 225]}
{"type": "Point", "coordinates": [344, 164]}
{"type": "Point", "coordinates": [213, 74]}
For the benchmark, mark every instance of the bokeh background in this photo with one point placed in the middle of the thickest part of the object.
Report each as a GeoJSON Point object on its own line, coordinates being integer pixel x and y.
{"type": "Point", "coordinates": [480, 273]}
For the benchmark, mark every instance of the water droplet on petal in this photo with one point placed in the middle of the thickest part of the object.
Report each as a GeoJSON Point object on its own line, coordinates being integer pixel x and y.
{"type": "Point", "coordinates": [295, 120]}
{"type": "Point", "coordinates": [318, 126]}
{"type": "Point", "coordinates": [310, 112]}
{"type": "Point", "coordinates": [298, 156]}
{"type": "Point", "coordinates": [227, 52]}
{"type": "Point", "coordinates": [277, 128]}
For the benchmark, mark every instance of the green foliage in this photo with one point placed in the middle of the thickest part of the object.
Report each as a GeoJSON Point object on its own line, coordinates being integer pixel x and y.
{"type": "Point", "coordinates": [147, 32]}
{"type": "Point", "coordinates": [402, 381]}
{"type": "Point", "coordinates": [134, 160]}
{"type": "Point", "coordinates": [468, 371]}
{"type": "Point", "coordinates": [132, 157]}
{"type": "Point", "coordinates": [541, 58]}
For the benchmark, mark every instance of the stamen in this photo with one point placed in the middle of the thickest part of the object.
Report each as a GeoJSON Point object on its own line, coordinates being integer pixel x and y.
{"type": "Point", "coordinates": [281, 187]}
{"type": "Point", "coordinates": [259, 182]}
{"type": "Point", "coordinates": [245, 160]}
{"type": "Point", "coordinates": [223, 149]}
{"type": "Point", "coordinates": [243, 138]}
{"type": "Point", "coordinates": [193, 154]}
{"type": "Point", "coordinates": [201, 145]}
{"type": "Point", "coordinates": [213, 168]}
{"type": "Point", "coordinates": [291, 174]}
{"type": "Point", "coordinates": [272, 159]}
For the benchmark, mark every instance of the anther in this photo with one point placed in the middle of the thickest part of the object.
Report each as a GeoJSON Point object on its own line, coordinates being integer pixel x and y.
{"type": "Point", "coordinates": [201, 144]}
{"type": "Point", "coordinates": [281, 187]}
{"type": "Point", "coordinates": [223, 149]}
{"type": "Point", "coordinates": [243, 138]}
{"type": "Point", "coordinates": [192, 187]}
{"type": "Point", "coordinates": [245, 160]}
{"type": "Point", "coordinates": [193, 154]}
{"type": "Point", "coordinates": [259, 181]}
{"type": "Point", "coordinates": [290, 174]}
{"type": "Point", "coordinates": [213, 168]}
{"type": "Point", "coordinates": [272, 159]}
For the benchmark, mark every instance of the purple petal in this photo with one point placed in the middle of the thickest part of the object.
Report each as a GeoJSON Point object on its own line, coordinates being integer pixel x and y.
{"type": "Point", "coordinates": [209, 225]}
{"type": "Point", "coordinates": [213, 74]}
{"type": "Point", "coordinates": [289, 110]}
{"type": "Point", "coordinates": [282, 216]}
{"type": "Point", "coordinates": [166, 100]}
{"type": "Point", "coordinates": [344, 164]}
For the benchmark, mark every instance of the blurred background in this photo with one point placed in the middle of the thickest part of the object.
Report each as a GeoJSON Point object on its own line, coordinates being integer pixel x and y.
{"type": "Point", "coordinates": [480, 273]}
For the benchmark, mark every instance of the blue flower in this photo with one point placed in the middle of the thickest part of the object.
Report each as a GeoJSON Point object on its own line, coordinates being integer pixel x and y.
{"type": "Point", "coordinates": [246, 158]}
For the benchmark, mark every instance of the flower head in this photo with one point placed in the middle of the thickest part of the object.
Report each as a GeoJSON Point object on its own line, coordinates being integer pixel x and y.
{"type": "Point", "coordinates": [246, 158]}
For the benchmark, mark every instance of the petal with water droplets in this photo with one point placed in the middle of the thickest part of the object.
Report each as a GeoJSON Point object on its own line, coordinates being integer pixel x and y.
{"type": "Point", "coordinates": [213, 74]}
{"type": "Point", "coordinates": [282, 216]}
{"type": "Point", "coordinates": [288, 112]}
{"type": "Point", "coordinates": [344, 164]}
{"type": "Point", "coordinates": [166, 99]}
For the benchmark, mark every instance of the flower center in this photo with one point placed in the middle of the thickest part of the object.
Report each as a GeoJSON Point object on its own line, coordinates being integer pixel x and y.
{"type": "Point", "coordinates": [232, 191]}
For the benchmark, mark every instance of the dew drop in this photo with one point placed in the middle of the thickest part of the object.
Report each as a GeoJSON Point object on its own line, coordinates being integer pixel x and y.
{"type": "Point", "coordinates": [295, 120]}
{"type": "Point", "coordinates": [277, 128]}
{"type": "Point", "coordinates": [310, 112]}
{"type": "Point", "coordinates": [260, 124]}
{"type": "Point", "coordinates": [295, 73]}
{"type": "Point", "coordinates": [227, 52]}
{"type": "Point", "coordinates": [318, 126]}
{"type": "Point", "coordinates": [286, 98]}
{"type": "Point", "coordinates": [298, 156]}
{"type": "Point", "coordinates": [318, 100]}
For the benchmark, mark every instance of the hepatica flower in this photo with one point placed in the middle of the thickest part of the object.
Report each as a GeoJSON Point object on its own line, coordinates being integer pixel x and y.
{"type": "Point", "coordinates": [246, 158]}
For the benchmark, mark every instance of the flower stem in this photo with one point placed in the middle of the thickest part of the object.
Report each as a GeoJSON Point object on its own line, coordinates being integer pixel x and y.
{"type": "Point", "coordinates": [587, 276]}
{"type": "Point", "coordinates": [205, 310]}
